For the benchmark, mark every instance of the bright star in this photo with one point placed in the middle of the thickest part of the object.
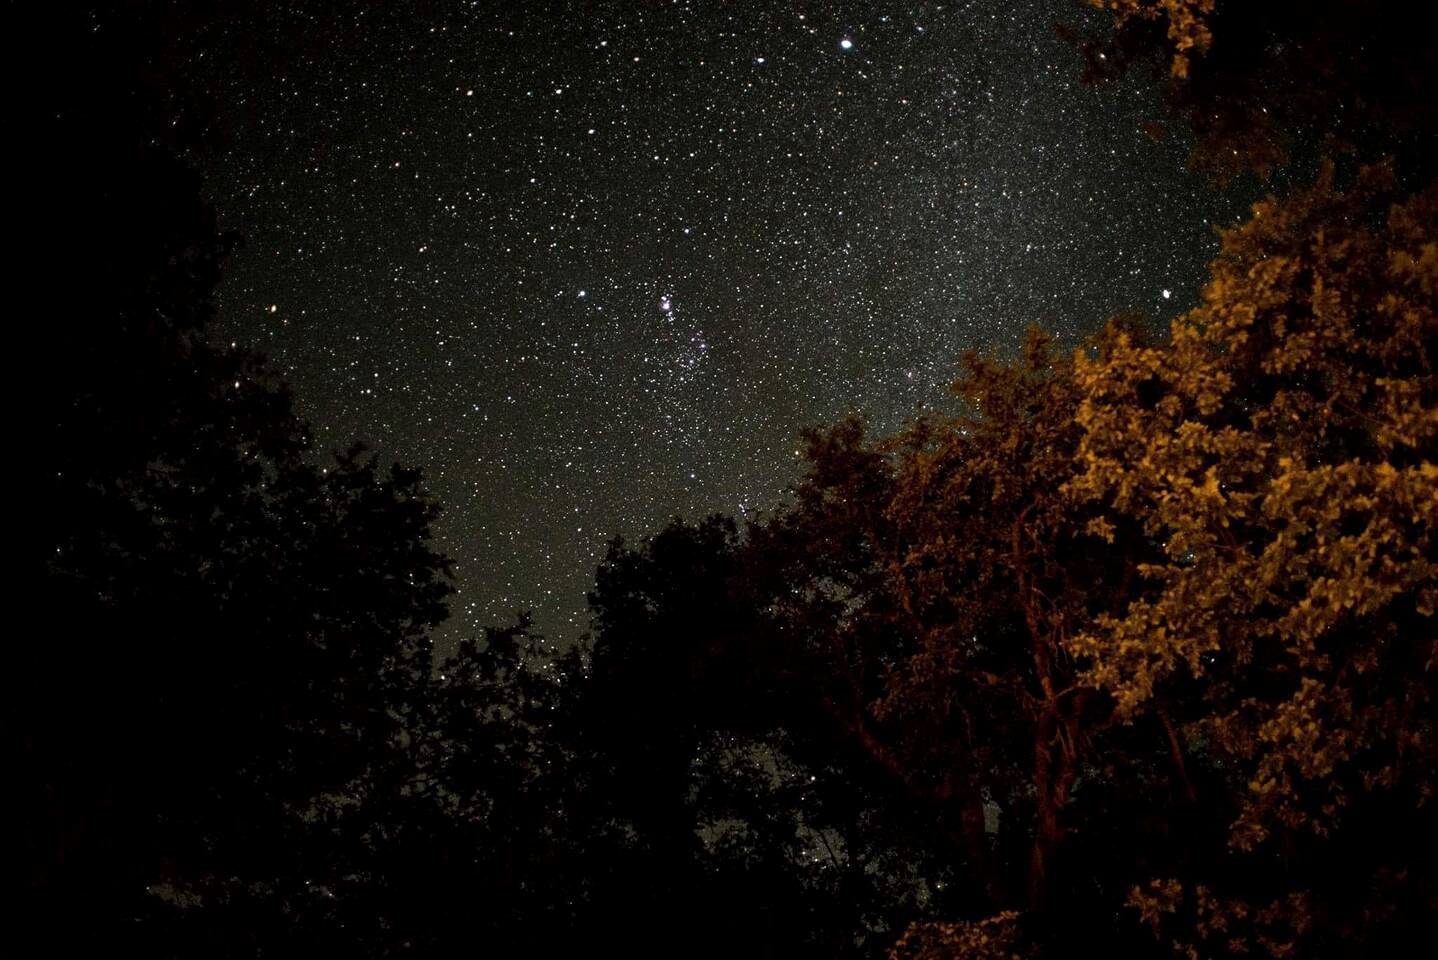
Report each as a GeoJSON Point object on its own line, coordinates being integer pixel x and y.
{"type": "Point", "coordinates": [846, 44]}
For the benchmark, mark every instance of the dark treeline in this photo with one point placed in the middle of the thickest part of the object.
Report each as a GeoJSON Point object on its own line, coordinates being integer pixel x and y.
{"type": "Point", "coordinates": [1134, 652]}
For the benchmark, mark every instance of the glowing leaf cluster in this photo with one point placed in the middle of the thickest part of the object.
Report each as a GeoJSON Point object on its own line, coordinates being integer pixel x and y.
{"type": "Point", "coordinates": [1187, 23]}
{"type": "Point", "coordinates": [993, 938]}
{"type": "Point", "coordinates": [1280, 449]}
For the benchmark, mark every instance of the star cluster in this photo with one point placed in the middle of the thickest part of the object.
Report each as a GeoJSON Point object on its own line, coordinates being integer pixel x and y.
{"type": "Point", "coordinates": [593, 265]}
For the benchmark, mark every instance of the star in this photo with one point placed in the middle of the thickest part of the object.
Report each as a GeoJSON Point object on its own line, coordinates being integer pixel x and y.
{"type": "Point", "coordinates": [840, 241]}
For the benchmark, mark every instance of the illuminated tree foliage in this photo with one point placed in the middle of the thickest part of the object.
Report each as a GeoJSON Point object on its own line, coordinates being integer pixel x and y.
{"type": "Point", "coordinates": [1185, 25]}
{"type": "Point", "coordinates": [924, 591]}
{"type": "Point", "coordinates": [943, 571]}
{"type": "Point", "coordinates": [1141, 640]}
{"type": "Point", "coordinates": [993, 938]}
{"type": "Point", "coordinates": [1281, 447]}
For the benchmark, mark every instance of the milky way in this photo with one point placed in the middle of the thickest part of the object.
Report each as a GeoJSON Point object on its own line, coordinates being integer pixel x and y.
{"type": "Point", "coordinates": [594, 265]}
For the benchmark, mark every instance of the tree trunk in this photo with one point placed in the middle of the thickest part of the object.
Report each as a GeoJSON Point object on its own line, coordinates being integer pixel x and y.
{"type": "Point", "coordinates": [976, 847]}
{"type": "Point", "coordinates": [1046, 821]}
{"type": "Point", "coordinates": [1054, 775]}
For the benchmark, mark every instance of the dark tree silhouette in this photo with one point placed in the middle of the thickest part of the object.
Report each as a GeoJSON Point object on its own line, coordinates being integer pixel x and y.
{"type": "Point", "coordinates": [1252, 81]}
{"type": "Point", "coordinates": [233, 635]}
{"type": "Point", "coordinates": [713, 785]}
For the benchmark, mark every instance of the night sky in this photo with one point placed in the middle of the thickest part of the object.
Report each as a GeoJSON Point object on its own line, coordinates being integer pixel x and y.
{"type": "Point", "coordinates": [593, 265]}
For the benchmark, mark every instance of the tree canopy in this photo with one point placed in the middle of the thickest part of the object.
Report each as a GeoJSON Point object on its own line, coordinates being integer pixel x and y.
{"type": "Point", "coordinates": [1253, 81]}
{"type": "Point", "coordinates": [1138, 638]}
